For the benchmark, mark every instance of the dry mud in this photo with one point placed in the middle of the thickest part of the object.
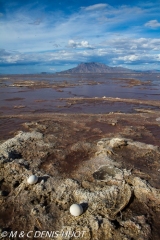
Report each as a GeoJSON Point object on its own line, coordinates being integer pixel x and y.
{"type": "Point", "coordinates": [108, 163]}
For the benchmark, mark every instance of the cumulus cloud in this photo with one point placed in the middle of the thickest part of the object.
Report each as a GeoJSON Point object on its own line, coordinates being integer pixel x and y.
{"type": "Point", "coordinates": [133, 44]}
{"type": "Point", "coordinates": [153, 24]}
{"type": "Point", "coordinates": [100, 32]}
{"type": "Point", "coordinates": [82, 44]}
{"type": "Point", "coordinates": [56, 27]}
{"type": "Point", "coordinates": [129, 58]}
{"type": "Point", "coordinates": [98, 6]}
{"type": "Point", "coordinates": [9, 57]}
{"type": "Point", "coordinates": [116, 50]}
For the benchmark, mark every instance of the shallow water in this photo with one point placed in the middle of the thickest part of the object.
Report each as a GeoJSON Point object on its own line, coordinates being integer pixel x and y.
{"type": "Point", "coordinates": [116, 90]}
{"type": "Point", "coordinates": [23, 99]}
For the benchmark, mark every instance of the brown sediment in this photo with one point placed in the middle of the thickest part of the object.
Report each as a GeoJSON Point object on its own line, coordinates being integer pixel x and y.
{"type": "Point", "coordinates": [132, 82]}
{"type": "Point", "coordinates": [62, 84]}
{"type": "Point", "coordinates": [135, 125]}
{"type": "Point", "coordinates": [42, 84]}
{"type": "Point", "coordinates": [67, 165]}
{"type": "Point", "coordinates": [9, 126]}
{"type": "Point", "coordinates": [155, 130]}
{"type": "Point", "coordinates": [144, 164]}
{"type": "Point", "coordinates": [111, 99]}
{"type": "Point", "coordinates": [40, 100]}
{"type": "Point", "coordinates": [13, 99]}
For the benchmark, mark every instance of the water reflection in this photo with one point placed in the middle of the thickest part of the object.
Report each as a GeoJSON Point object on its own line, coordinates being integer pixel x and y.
{"type": "Point", "coordinates": [47, 99]}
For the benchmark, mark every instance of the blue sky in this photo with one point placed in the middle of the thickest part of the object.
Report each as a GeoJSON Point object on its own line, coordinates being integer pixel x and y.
{"type": "Point", "coordinates": [38, 36]}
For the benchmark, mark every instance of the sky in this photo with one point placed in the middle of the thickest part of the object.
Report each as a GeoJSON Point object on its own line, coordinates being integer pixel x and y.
{"type": "Point", "coordinates": [52, 35]}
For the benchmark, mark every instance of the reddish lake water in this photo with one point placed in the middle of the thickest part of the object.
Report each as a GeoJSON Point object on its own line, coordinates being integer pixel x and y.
{"type": "Point", "coordinates": [23, 100]}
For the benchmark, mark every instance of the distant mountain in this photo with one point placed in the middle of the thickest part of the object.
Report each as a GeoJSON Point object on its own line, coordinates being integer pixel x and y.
{"type": "Point", "coordinates": [94, 67]}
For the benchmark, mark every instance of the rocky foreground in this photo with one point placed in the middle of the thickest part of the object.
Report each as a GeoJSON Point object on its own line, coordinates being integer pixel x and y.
{"type": "Point", "coordinates": [107, 163]}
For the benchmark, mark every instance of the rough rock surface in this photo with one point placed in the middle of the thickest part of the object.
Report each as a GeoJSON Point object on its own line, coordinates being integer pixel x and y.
{"type": "Point", "coordinates": [118, 202]}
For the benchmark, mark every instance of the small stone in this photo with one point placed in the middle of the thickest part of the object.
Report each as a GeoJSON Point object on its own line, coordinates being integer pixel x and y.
{"type": "Point", "coordinates": [34, 211]}
{"type": "Point", "coordinates": [42, 182]}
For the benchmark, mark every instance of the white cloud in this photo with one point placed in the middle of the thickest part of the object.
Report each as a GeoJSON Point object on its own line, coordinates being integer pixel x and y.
{"type": "Point", "coordinates": [129, 58]}
{"type": "Point", "coordinates": [57, 27]}
{"type": "Point", "coordinates": [153, 24]}
{"type": "Point", "coordinates": [10, 57]}
{"type": "Point", "coordinates": [82, 44]}
{"type": "Point", "coordinates": [115, 49]}
{"type": "Point", "coordinates": [104, 33]}
{"type": "Point", "coordinates": [133, 44]}
{"type": "Point", "coordinates": [99, 6]}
